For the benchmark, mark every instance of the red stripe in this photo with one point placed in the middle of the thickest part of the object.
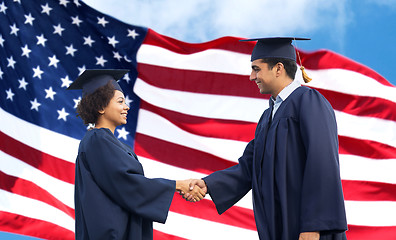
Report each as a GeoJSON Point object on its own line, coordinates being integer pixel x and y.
{"type": "Point", "coordinates": [239, 85]}
{"type": "Point", "coordinates": [28, 189]}
{"type": "Point", "coordinates": [51, 165]}
{"type": "Point", "coordinates": [225, 43]}
{"type": "Point", "coordinates": [368, 191]}
{"type": "Point", "coordinates": [325, 59]}
{"type": "Point", "coordinates": [205, 209]}
{"type": "Point", "coordinates": [208, 127]}
{"type": "Point", "coordinates": [244, 131]}
{"type": "Point", "coordinates": [175, 155]}
{"type": "Point", "coordinates": [366, 148]}
{"type": "Point", "coordinates": [199, 81]}
{"type": "Point", "coordinates": [371, 233]}
{"type": "Point", "coordinates": [157, 235]}
{"type": "Point", "coordinates": [361, 105]}
{"type": "Point", "coordinates": [18, 224]}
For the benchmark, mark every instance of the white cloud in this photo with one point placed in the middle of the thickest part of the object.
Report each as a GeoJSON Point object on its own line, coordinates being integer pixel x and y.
{"type": "Point", "coordinates": [204, 20]}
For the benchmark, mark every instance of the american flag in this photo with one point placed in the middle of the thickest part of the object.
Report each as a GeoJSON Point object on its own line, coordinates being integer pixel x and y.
{"type": "Point", "coordinates": [193, 110]}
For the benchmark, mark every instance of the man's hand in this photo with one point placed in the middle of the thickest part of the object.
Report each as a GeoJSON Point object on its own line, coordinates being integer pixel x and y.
{"type": "Point", "coordinates": [309, 236]}
{"type": "Point", "coordinates": [192, 194]}
{"type": "Point", "coordinates": [194, 183]}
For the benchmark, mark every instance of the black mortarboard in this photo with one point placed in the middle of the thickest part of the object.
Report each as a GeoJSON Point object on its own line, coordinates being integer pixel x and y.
{"type": "Point", "coordinates": [92, 79]}
{"type": "Point", "coordinates": [276, 47]}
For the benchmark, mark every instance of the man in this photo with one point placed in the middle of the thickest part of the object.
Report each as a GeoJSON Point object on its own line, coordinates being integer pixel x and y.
{"type": "Point", "coordinates": [292, 163]}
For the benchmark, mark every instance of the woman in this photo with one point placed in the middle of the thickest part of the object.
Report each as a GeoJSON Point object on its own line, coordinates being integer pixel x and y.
{"type": "Point", "coordinates": [113, 198]}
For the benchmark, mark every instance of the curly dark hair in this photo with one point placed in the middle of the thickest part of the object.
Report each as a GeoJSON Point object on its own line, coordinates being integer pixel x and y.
{"type": "Point", "coordinates": [90, 105]}
{"type": "Point", "coordinates": [290, 65]}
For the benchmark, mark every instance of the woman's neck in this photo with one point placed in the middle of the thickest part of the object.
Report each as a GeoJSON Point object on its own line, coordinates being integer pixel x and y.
{"type": "Point", "coordinates": [103, 125]}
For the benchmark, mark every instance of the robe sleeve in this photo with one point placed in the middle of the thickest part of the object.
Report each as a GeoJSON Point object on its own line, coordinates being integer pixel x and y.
{"type": "Point", "coordinates": [120, 176]}
{"type": "Point", "coordinates": [322, 202]}
{"type": "Point", "coordinates": [228, 186]}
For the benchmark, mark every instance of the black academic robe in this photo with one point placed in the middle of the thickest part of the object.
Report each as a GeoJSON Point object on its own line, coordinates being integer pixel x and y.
{"type": "Point", "coordinates": [113, 198]}
{"type": "Point", "coordinates": [292, 167]}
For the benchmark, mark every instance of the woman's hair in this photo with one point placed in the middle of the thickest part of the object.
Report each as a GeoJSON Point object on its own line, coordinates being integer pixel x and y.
{"type": "Point", "coordinates": [90, 105]}
{"type": "Point", "coordinates": [290, 65]}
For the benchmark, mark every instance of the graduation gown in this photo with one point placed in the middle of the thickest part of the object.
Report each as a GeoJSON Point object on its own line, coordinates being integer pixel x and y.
{"type": "Point", "coordinates": [292, 167]}
{"type": "Point", "coordinates": [113, 198]}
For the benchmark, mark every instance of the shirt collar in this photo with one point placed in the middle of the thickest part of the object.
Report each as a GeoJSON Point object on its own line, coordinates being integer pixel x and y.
{"type": "Point", "coordinates": [285, 93]}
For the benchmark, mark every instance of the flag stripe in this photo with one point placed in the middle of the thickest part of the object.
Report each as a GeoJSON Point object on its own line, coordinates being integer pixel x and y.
{"type": "Point", "coordinates": [371, 233]}
{"type": "Point", "coordinates": [44, 140]}
{"type": "Point", "coordinates": [325, 59]}
{"type": "Point", "coordinates": [29, 189]}
{"type": "Point", "coordinates": [44, 162]}
{"type": "Point", "coordinates": [20, 224]}
{"type": "Point", "coordinates": [213, 230]}
{"type": "Point", "coordinates": [368, 191]}
{"type": "Point", "coordinates": [160, 235]}
{"type": "Point", "coordinates": [380, 130]}
{"type": "Point", "coordinates": [350, 82]}
{"type": "Point", "coordinates": [205, 209]}
{"type": "Point", "coordinates": [225, 43]}
{"type": "Point", "coordinates": [153, 125]}
{"type": "Point", "coordinates": [37, 210]}
{"type": "Point", "coordinates": [199, 81]}
{"type": "Point", "coordinates": [198, 161]}
{"type": "Point", "coordinates": [371, 213]}
{"type": "Point", "coordinates": [207, 127]}
{"type": "Point", "coordinates": [366, 148]}
{"type": "Point", "coordinates": [348, 124]}
{"type": "Point", "coordinates": [59, 189]}
{"type": "Point", "coordinates": [361, 105]}
{"type": "Point", "coordinates": [218, 106]}
{"type": "Point", "coordinates": [366, 169]}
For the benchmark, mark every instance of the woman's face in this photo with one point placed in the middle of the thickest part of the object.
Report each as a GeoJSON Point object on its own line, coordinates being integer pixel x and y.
{"type": "Point", "coordinates": [115, 113]}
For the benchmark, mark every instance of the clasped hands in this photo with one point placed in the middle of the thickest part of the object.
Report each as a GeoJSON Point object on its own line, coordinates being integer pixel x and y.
{"type": "Point", "coordinates": [193, 190]}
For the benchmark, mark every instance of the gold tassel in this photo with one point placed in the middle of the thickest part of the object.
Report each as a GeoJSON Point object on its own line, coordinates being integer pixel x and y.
{"type": "Point", "coordinates": [305, 75]}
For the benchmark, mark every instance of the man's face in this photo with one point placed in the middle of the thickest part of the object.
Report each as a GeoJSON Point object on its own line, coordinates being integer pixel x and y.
{"type": "Point", "coordinates": [265, 78]}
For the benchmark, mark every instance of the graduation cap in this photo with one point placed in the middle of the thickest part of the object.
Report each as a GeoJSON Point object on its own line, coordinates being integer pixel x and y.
{"type": "Point", "coordinates": [92, 79]}
{"type": "Point", "coordinates": [277, 47]}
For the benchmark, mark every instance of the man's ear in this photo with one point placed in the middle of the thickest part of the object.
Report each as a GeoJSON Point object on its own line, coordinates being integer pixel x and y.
{"type": "Point", "coordinates": [279, 68]}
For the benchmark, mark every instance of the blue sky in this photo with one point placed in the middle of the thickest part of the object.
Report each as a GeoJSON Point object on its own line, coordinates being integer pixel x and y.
{"type": "Point", "coordinates": [362, 30]}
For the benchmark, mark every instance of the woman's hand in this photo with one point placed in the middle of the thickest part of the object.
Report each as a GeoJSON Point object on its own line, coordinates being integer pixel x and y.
{"type": "Point", "coordinates": [192, 194]}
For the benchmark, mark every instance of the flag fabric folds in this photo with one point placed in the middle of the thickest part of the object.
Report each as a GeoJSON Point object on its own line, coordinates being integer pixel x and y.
{"type": "Point", "coordinates": [193, 110]}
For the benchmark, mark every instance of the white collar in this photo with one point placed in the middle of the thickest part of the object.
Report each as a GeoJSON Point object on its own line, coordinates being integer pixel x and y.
{"type": "Point", "coordinates": [285, 93]}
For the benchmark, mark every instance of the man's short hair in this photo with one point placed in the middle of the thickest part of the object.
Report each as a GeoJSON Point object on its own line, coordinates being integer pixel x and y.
{"type": "Point", "coordinates": [290, 65]}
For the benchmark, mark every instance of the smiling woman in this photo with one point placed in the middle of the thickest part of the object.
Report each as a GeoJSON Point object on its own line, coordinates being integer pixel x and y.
{"type": "Point", "coordinates": [113, 198]}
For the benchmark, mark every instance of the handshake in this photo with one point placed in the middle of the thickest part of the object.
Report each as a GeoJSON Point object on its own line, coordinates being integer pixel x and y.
{"type": "Point", "coordinates": [192, 190]}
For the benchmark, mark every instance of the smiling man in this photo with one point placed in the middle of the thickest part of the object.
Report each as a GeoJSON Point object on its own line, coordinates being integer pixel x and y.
{"type": "Point", "coordinates": [292, 163]}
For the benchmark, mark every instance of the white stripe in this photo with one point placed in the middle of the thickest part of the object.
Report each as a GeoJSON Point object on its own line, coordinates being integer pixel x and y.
{"type": "Point", "coordinates": [211, 60]}
{"type": "Point", "coordinates": [35, 209]}
{"type": "Point", "coordinates": [61, 190]}
{"type": "Point", "coordinates": [195, 228]}
{"type": "Point", "coordinates": [42, 139]}
{"type": "Point", "coordinates": [366, 128]}
{"type": "Point", "coordinates": [365, 169]}
{"type": "Point", "coordinates": [369, 213]}
{"type": "Point", "coordinates": [155, 169]}
{"type": "Point", "coordinates": [349, 82]}
{"type": "Point", "coordinates": [203, 105]}
{"type": "Point", "coordinates": [156, 126]}
{"type": "Point", "coordinates": [250, 109]}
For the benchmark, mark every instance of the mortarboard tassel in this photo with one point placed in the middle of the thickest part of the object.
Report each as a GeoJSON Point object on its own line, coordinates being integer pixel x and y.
{"type": "Point", "coordinates": [305, 75]}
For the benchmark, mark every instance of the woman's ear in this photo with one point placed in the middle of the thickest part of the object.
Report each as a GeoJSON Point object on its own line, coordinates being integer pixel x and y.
{"type": "Point", "coordinates": [101, 112]}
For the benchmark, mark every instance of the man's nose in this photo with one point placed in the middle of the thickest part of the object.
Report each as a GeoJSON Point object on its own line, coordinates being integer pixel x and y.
{"type": "Point", "coordinates": [253, 76]}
